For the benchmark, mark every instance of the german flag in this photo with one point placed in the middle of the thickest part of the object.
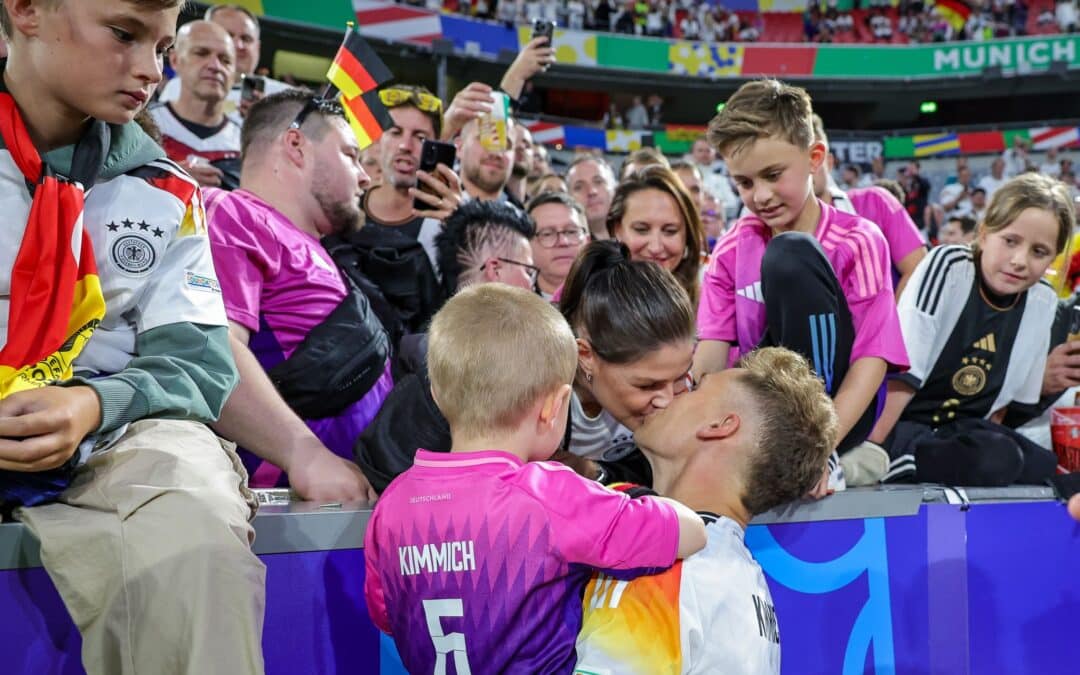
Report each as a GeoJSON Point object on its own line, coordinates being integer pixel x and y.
{"type": "Point", "coordinates": [956, 12]}
{"type": "Point", "coordinates": [367, 116]}
{"type": "Point", "coordinates": [357, 69]}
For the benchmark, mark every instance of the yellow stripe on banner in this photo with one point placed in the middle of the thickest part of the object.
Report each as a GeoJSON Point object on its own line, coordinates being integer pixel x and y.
{"type": "Point", "coordinates": [254, 6]}
{"type": "Point", "coordinates": [362, 138]}
{"type": "Point", "coordinates": [87, 311]}
{"type": "Point", "coordinates": [936, 148]}
{"type": "Point", "coordinates": [340, 79]}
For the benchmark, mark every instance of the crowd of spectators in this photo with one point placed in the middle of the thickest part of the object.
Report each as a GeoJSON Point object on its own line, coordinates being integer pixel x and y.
{"type": "Point", "coordinates": [916, 21]}
{"type": "Point", "coordinates": [266, 313]}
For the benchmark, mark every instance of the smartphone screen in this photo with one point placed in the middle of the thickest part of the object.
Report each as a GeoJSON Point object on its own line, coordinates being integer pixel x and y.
{"type": "Point", "coordinates": [250, 85]}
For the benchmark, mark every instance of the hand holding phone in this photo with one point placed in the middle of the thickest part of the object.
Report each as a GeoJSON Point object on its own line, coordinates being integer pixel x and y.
{"type": "Point", "coordinates": [250, 85]}
{"type": "Point", "coordinates": [432, 154]}
{"type": "Point", "coordinates": [543, 29]}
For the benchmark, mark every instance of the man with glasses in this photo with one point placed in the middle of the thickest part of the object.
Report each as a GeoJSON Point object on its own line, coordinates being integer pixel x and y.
{"type": "Point", "coordinates": [302, 180]}
{"type": "Point", "coordinates": [561, 232]}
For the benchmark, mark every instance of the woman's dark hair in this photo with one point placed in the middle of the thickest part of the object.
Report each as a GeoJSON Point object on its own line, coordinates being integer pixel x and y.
{"type": "Point", "coordinates": [625, 308]}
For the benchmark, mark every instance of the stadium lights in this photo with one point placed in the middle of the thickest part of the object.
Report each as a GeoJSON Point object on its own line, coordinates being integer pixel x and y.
{"type": "Point", "coordinates": [928, 107]}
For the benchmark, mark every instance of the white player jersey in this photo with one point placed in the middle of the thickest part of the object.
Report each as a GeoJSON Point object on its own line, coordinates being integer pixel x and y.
{"type": "Point", "coordinates": [180, 142]}
{"type": "Point", "coordinates": [152, 250]}
{"type": "Point", "coordinates": [711, 613]}
{"type": "Point", "coordinates": [171, 92]}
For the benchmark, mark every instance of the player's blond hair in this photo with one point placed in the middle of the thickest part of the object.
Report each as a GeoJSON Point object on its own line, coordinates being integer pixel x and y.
{"type": "Point", "coordinates": [762, 109]}
{"type": "Point", "coordinates": [797, 427]}
{"type": "Point", "coordinates": [493, 352]}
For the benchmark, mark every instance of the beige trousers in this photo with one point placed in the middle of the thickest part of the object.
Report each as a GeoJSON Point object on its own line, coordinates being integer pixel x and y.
{"type": "Point", "coordinates": [150, 551]}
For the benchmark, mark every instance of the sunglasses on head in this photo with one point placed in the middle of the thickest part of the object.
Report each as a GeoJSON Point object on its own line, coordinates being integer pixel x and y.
{"type": "Point", "coordinates": [393, 97]}
{"type": "Point", "coordinates": [315, 103]}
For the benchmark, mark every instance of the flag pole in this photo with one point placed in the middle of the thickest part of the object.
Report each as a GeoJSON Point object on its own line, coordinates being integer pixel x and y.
{"type": "Point", "coordinates": [331, 92]}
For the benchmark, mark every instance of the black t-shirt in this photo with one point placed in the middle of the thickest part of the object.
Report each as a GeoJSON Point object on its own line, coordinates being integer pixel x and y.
{"type": "Point", "coordinates": [970, 371]}
{"type": "Point", "coordinates": [410, 226]}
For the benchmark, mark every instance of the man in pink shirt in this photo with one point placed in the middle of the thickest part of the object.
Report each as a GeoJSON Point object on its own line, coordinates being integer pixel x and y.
{"type": "Point", "coordinates": [480, 555]}
{"type": "Point", "coordinates": [796, 272]}
{"type": "Point", "coordinates": [301, 180]}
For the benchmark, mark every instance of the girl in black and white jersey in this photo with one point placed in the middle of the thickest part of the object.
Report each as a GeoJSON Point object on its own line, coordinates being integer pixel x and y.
{"type": "Point", "coordinates": [976, 323]}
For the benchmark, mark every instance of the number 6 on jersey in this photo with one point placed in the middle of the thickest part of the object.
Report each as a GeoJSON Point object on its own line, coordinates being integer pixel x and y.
{"type": "Point", "coordinates": [446, 643]}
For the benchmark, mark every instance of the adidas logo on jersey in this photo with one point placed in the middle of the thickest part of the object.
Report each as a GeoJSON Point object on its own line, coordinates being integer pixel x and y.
{"type": "Point", "coordinates": [986, 343]}
{"type": "Point", "coordinates": [752, 292]}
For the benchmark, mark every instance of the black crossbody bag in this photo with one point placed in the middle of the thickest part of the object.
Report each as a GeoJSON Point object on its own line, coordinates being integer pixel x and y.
{"type": "Point", "coordinates": [337, 363]}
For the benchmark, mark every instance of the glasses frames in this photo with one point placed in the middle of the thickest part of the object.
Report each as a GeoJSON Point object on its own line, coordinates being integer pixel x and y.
{"type": "Point", "coordinates": [531, 270]}
{"type": "Point", "coordinates": [550, 238]}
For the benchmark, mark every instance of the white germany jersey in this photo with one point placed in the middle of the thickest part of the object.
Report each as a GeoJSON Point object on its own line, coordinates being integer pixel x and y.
{"type": "Point", "coordinates": [150, 242]}
{"type": "Point", "coordinates": [711, 613]}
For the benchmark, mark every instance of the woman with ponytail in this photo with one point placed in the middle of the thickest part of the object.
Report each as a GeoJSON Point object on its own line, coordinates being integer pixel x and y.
{"type": "Point", "coordinates": [634, 325]}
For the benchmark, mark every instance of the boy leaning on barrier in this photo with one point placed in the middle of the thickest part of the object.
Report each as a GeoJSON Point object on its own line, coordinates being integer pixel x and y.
{"type": "Point", "coordinates": [116, 352]}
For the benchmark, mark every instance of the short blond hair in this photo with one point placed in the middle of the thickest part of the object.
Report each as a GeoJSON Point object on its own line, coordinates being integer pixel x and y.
{"type": "Point", "coordinates": [1031, 191]}
{"type": "Point", "coordinates": [797, 427]}
{"type": "Point", "coordinates": [761, 109]}
{"type": "Point", "coordinates": [493, 352]}
{"type": "Point", "coordinates": [5, 21]}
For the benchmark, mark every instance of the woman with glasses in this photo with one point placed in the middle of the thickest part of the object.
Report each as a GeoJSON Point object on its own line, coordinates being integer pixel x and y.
{"type": "Point", "coordinates": [655, 217]}
{"type": "Point", "coordinates": [561, 232]}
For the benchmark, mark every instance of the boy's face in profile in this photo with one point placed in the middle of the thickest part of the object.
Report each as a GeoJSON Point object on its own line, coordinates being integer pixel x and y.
{"type": "Point", "coordinates": [773, 177]}
{"type": "Point", "coordinates": [94, 58]}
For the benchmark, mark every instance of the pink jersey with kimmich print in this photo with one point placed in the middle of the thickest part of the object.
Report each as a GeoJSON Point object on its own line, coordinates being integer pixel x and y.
{"type": "Point", "coordinates": [476, 562]}
{"type": "Point", "coordinates": [732, 307]}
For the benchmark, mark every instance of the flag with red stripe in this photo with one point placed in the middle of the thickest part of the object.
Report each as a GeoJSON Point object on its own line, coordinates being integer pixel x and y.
{"type": "Point", "coordinates": [56, 301]}
{"type": "Point", "coordinates": [956, 12]}
{"type": "Point", "coordinates": [367, 116]}
{"type": "Point", "coordinates": [1044, 138]}
{"type": "Point", "coordinates": [356, 68]}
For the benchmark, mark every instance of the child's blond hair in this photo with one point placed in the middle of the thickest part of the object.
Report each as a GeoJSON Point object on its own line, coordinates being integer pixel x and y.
{"type": "Point", "coordinates": [1031, 191]}
{"type": "Point", "coordinates": [5, 20]}
{"type": "Point", "coordinates": [493, 352]}
{"type": "Point", "coordinates": [761, 109]}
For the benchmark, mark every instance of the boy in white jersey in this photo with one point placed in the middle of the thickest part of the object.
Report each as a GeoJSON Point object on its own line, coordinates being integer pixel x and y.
{"type": "Point", "coordinates": [116, 352]}
{"type": "Point", "coordinates": [746, 440]}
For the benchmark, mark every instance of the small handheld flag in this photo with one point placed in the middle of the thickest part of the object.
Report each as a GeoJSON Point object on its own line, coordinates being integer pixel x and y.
{"type": "Point", "coordinates": [357, 72]}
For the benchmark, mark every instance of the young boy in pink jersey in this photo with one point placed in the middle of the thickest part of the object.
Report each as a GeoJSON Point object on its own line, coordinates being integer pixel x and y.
{"type": "Point", "coordinates": [796, 272]}
{"type": "Point", "coordinates": [479, 556]}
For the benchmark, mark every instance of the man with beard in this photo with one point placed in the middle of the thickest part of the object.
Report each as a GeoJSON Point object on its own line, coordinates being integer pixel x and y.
{"type": "Point", "coordinates": [485, 174]}
{"type": "Point", "coordinates": [592, 183]}
{"type": "Point", "coordinates": [302, 180]}
{"type": "Point", "coordinates": [396, 247]}
{"type": "Point", "coordinates": [524, 159]}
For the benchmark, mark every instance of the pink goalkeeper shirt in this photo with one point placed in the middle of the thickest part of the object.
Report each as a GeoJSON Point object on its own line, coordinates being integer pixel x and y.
{"type": "Point", "coordinates": [881, 208]}
{"type": "Point", "coordinates": [732, 308]}
{"type": "Point", "coordinates": [481, 558]}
